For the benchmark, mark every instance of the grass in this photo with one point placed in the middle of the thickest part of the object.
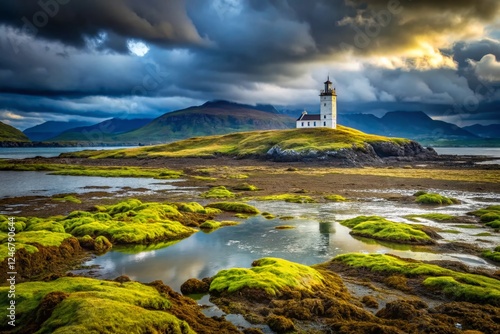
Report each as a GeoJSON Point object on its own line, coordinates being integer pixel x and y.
{"type": "Point", "coordinates": [127, 222]}
{"type": "Point", "coordinates": [291, 198]}
{"type": "Point", "coordinates": [483, 234]}
{"type": "Point", "coordinates": [438, 217]}
{"type": "Point", "coordinates": [490, 216]}
{"type": "Point", "coordinates": [104, 171]}
{"type": "Point", "coordinates": [204, 178]}
{"type": "Point", "coordinates": [461, 286]}
{"type": "Point", "coordinates": [218, 192]}
{"type": "Point", "coordinates": [435, 199]}
{"type": "Point", "coordinates": [335, 198]}
{"type": "Point", "coordinates": [213, 225]}
{"type": "Point", "coordinates": [284, 227]}
{"type": "Point", "coordinates": [493, 255]}
{"type": "Point", "coordinates": [379, 228]}
{"type": "Point", "coordinates": [255, 143]}
{"type": "Point", "coordinates": [30, 241]}
{"type": "Point", "coordinates": [88, 305]}
{"type": "Point", "coordinates": [236, 207]}
{"type": "Point", "coordinates": [269, 274]}
{"type": "Point", "coordinates": [245, 187]}
{"type": "Point", "coordinates": [67, 198]}
{"type": "Point", "coordinates": [10, 133]}
{"type": "Point", "coordinates": [466, 226]}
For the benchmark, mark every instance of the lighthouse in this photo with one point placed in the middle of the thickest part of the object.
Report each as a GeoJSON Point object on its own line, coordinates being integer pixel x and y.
{"type": "Point", "coordinates": [327, 117]}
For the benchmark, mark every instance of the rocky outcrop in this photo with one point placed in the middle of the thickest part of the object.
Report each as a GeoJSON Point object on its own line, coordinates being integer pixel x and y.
{"type": "Point", "coordinates": [370, 153]}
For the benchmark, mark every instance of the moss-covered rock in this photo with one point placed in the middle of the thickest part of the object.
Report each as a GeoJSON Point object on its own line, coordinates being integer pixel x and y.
{"type": "Point", "coordinates": [435, 199]}
{"type": "Point", "coordinates": [458, 285]}
{"type": "Point", "coordinates": [218, 192]}
{"type": "Point", "coordinates": [490, 216]}
{"type": "Point", "coordinates": [335, 198]}
{"type": "Point", "coordinates": [379, 228]}
{"type": "Point", "coordinates": [237, 207]}
{"type": "Point", "coordinates": [493, 255]}
{"type": "Point", "coordinates": [268, 274]}
{"type": "Point", "coordinates": [245, 187]}
{"type": "Point", "coordinates": [291, 198]}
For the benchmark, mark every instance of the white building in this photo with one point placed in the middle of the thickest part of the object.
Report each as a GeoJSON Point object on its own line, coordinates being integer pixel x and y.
{"type": "Point", "coordinates": [327, 118]}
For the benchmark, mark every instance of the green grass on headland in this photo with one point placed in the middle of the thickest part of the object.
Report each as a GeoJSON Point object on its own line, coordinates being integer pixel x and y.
{"type": "Point", "coordinates": [461, 286]}
{"type": "Point", "coordinates": [255, 143]}
{"type": "Point", "coordinates": [268, 274]}
{"type": "Point", "coordinates": [105, 171]}
{"type": "Point", "coordinates": [87, 305]}
{"type": "Point", "coordinates": [379, 228]}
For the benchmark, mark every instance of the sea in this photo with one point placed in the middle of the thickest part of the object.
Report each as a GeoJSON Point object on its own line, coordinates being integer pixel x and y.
{"type": "Point", "coordinates": [47, 152]}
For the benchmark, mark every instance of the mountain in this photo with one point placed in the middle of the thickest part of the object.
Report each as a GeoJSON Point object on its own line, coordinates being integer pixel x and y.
{"type": "Point", "coordinates": [11, 134]}
{"type": "Point", "coordinates": [51, 129]}
{"type": "Point", "coordinates": [485, 131]}
{"type": "Point", "coordinates": [211, 118]}
{"type": "Point", "coordinates": [409, 124]}
{"type": "Point", "coordinates": [101, 132]}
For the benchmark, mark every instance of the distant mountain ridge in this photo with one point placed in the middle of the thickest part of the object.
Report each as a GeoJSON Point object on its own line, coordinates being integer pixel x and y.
{"type": "Point", "coordinates": [103, 131]}
{"type": "Point", "coordinates": [485, 131]}
{"type": "Point", "coordinates": [415, 125]}
{"type": "Point", "coordinates": [51, 129]}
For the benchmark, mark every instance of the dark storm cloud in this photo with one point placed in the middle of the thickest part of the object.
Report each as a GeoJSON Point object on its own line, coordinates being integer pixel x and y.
{"type": "Point", "coordinates": [73, 22]}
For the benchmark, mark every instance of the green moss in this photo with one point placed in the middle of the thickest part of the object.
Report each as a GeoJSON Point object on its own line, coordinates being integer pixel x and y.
{"type": "Point", "coordinates": [287, 217]}
{"type": "Point", "coordinates": [462, 286]}
{"type": "Point", "coordinates": [237, 176]}
{"type": "Point", "coordinates": [466, 226]}
{"type": "Point", "coordinates": [379, 228]}
{"type": "Point", "coordinates": [493, 255]}
{"type": "Point", "coordinates": [435, 199]}
{"type": "Point", "coordinates": [269, 274]}
{"type": "Point", "coordinates": [268, 215]}
{"type": "Point", "coordinates": [67, 198]}
{"type": "Point", "coordinates": [335, 198]}
{"type": "Point", "coordinates": [102, 244]}
{"type": "Point", "coordinates": [420, 193]}
{"type": "Point", "coordinates": [237, 207]}
{"type": "Point", "coordinates": [494, 224]}
{"type": "Point", "coordinates": [30, 239]}
{"type": "Point", "coordinates": [105, 171]}
{"type": "Point", "coordinates": [292, 198]}
{"type": "Point", "coordinates": [246, 187]}
{"type": "Point", "coordinates": [483, 234]}
{"type": "Point", "coordinates": [242, 215]}
{"type": "Point", "coordinates": [204, 178]}
{"type": "Point", "coordinates": [212, 224]}
{"type": "Point", "coordinates": [218, 192]}
{"type": "Point", "coordinates": [88, 305]}
{"type": "Point", "coordinates": [284, 227]}
{"type": "Point", "coordinates": [439, 217]}
{"type": "Point", "coordinates": [196, 208]}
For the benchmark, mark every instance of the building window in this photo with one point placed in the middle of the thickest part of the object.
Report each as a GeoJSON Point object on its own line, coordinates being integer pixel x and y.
{"type": "Point", "coordinates": [324, 104]}
{"type": "Point", "coordinates": [324, 123]}
{"type": "Point", "coordinates": [302, 123]}
{"type": "Point", "coordinates": [308, 123]}
{"type": "Point", "coordinates": [314, 123]}
{"type": "Point", "coordinates": [324, 116]}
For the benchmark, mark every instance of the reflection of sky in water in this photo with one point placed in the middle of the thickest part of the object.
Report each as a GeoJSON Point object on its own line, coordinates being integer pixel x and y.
{"type": "Point", "coordinates": [316, 238]}
{"type": "Point", "coordinates": [16, 184]}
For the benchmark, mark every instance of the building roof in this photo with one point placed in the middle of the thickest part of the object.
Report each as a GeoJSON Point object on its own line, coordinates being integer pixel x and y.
{"type": "Point", "coordinates": [308, 117]}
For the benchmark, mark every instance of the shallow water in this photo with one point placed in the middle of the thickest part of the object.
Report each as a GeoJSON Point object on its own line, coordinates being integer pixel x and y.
{"type": "Point", "coordinates": [15, 184]}
{"type": "Point", "coordinates": [316, 238]}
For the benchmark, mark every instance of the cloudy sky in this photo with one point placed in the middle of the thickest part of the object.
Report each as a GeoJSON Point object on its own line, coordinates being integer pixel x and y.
{"type": "Point", "coordinates": [95, 59]}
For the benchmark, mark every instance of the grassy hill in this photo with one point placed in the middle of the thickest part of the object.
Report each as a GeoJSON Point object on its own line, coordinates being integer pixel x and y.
{"type": "Point", "coordinates": [255, 143]}
{"type": "Point", "coordinates": [10, 133]}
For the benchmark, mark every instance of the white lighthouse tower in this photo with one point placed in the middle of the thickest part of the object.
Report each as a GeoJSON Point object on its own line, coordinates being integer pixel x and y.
{"type": "Point", "coordinates": [327, 117]}
{"type": "Point", "coordinates": [328, 106]}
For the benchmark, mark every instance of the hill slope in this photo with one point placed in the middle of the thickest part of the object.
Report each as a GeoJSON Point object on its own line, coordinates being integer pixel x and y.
{"type": "Point", "coordinates": [11, 134]}
{"type": "Point", "coordinates": [51, 129]}
{"type": "Point", "coordinates": [343, 144]}
{"type": "Point", "coordinates": [104, 131]}
{"type": "Point", "coordinates": [211, 118]}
